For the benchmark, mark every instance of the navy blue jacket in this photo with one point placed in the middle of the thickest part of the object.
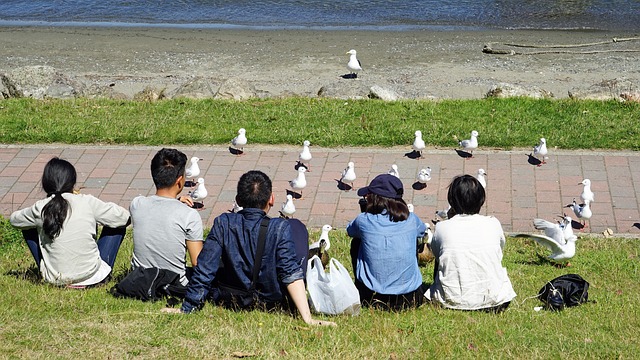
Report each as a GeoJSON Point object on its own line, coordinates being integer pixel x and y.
{"type": "Point", "coordinates": [231, 245]}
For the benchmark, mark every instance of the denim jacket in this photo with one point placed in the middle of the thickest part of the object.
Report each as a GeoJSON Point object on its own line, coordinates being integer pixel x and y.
{"type": "Point", "coordinates": [387, 262]}
{"type": "Point", "coordinates": [228, 257]}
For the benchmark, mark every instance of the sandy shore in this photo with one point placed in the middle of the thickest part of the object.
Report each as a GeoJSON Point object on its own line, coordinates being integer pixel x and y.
{"type": "Point", "coordinates": [416, 64]}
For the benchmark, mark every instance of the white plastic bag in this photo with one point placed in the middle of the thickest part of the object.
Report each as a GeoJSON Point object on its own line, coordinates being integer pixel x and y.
{"type": "Point", "coordinates": [334, 292]}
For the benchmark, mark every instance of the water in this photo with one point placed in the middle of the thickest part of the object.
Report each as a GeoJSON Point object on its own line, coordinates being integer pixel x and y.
{"type": "Point", "coordinates": [329, 14]}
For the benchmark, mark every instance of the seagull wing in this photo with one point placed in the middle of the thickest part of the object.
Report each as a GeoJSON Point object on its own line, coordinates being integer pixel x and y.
{"type": "Point", "coordinates": [551, 230]}
{"type": "Point", "coordinates": [545, 241]}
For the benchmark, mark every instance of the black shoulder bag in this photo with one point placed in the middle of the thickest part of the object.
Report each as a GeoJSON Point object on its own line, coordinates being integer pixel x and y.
{"type": "Point", "coordinates": [236, 298]}
{"type": "Point", "coordinates": [564, 291]}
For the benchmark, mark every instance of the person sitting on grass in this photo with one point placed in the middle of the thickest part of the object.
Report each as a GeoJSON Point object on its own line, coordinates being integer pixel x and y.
{"type": "Point", "coordinates": [164, 229]}
{"type": "Point", "coordinates": [383, 248]}
{"type": "Point", "coordinates": [468, 272]}
{"type": "Point", "coordinates": [225, 271]}
{"type": "Point", "coordinates": [61, 232]}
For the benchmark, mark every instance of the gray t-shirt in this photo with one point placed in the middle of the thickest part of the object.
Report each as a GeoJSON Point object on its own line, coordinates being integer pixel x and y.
{"type": "Point", "coordinates": [160, 227]}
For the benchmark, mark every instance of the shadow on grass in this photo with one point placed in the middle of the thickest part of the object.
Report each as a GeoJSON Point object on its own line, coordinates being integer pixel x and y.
{"type": "Point", "coordinates": [32, 274]}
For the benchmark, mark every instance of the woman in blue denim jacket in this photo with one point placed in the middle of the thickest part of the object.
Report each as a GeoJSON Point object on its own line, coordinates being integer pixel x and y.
{"type": "Point", "coordinates": [384, 247]}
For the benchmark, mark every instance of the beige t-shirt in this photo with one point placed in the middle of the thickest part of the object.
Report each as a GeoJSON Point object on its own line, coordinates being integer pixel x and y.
{"type": "Point", "coordinates": [73, 257]}
{"type": "Point", "coordinates": [469, 276]}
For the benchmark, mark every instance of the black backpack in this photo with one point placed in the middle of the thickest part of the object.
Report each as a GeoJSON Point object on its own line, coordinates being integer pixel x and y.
{"type": "Point", "coordinates": [564, 291]}
{"type": "Point", "coordinates": [149, 284]}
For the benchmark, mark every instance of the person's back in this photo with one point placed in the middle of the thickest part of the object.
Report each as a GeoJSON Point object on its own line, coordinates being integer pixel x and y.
{"type": "Point", "coordinates": [164, 229]}
{"type": "Point", "coordinates": [385, 242]}
{"type": "Point", "coordinates": [468, 272]}
{"type": "Point", "coordinates": [61, 232]}
{"type": "Point", "coordinates": [237, 236]}
{"type": "Point", "coordinates": [161, 227]}
{"type": "Point", "coordinates": [226, 263]}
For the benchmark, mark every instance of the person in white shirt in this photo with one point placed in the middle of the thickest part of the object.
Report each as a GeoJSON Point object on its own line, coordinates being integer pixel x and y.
{"type": "Point", "coordinates": [60, 230]}
{"type": "Point", "coordinates": [468, 273]}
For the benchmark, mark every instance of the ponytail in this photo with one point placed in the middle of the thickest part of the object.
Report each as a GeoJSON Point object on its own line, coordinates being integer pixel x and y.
{"type": "Point", "coordinates": [54, 214]}
{"type": "Point", "coordinates": [59, 177]}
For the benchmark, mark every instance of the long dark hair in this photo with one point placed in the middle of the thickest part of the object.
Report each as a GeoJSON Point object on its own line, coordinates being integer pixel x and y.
{"type": "Point", "coordinates": [396, 208]}
{"type": "Point", "coordinates": [59, 177]}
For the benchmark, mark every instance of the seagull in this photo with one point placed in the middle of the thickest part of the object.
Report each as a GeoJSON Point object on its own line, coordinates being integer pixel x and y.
{"type": "Point", "coordinates": [418, 143]}
{"type": "Point", "coordinates": [394, 171]}
{"type": "Point", "coordinates": [354, 64]}
{"type": "Point", "coordinates": [193, 171]}
{"type": "Point", "coordinates": [559, 238]}
{"type": "Point", "coordinates": [443, 214]}
{"type": "Point", "coordinates": [424, 175]}
{"type": "Point", "coordinates": [425, 254]}
{"type": "Point", "coordinates": [470, 144]}
{"type": "Point", "coordinates": [582, 211]}
{"type": "Point", "coordinates": [481, 177]}
{"type": "Point", "coordinates": [300, 182]}
{"type": "Point", "coordinates": [236, 208]}
{"type": "Point", "coordinates": [349, 174]}
{"type": "Point", "coordinates": [540, 151]}
{"type": "Point", "coordinates": [587, 194]}
{"type": "Point", "coordinates": [288, 208]}
{"type": "Point", "coordinates": [320, 247]}
{"type": "Point", "coordinates": [199, 193]}
{"type": "Point", "coordinates": [240, 141]}
{"type": "Point", "coordinates": [305, 155]}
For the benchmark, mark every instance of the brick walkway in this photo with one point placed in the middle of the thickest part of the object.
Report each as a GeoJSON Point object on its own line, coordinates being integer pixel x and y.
{"type": "Point", "coordinates": [517, 191]}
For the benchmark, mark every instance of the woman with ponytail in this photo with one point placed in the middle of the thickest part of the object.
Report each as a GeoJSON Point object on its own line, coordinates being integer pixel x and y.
{"type": "Point", "coordinates": [61, 230]}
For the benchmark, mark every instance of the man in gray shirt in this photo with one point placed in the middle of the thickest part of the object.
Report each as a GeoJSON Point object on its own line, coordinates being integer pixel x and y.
{"type": "Point", "coordinates": [164, 229]}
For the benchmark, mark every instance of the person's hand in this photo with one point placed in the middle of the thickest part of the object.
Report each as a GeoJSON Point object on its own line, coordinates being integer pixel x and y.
{"type": "Point", "coordinates": [171, 310]}
{"type": "Point", "coordinates": [321, 322]}
{"type": "Point", "coordinates": [186, 200]}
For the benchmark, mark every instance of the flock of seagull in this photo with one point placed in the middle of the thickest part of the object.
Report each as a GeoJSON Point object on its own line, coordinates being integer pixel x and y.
{"type": "Point", "coordinates": [558, 236]}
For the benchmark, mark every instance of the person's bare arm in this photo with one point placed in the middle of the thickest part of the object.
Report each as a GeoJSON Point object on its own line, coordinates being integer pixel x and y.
{"type": "Point", "coordinates": [194, 248]}
{"type": "Point", "coordinates": [299, 296]}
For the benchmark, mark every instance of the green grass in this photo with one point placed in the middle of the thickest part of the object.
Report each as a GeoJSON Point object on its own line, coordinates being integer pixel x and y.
{"type": "Point", "coordinates": [42, 321]}
{"type": "Point", "coordinates": [502, 123]}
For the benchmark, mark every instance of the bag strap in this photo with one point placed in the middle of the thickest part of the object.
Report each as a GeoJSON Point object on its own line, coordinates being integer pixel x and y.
{"type": "Point", "coordinates": [262, 237]}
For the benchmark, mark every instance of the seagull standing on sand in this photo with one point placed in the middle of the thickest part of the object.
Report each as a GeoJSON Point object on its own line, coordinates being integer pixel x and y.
{"type": "Point", "coordinates": [481, 177]}
{"type": "Point", "coordinates": [418, 143]}
{"type": "Point", "coordinates": [470, 144]}
{"type": "Point", "coordinates": [240, 141]}
{"type": "Point", "coordinates": [558, 238]}
{"type": "Point", "coordinates": [424, 175]}
{"type": "Point", "coordinates": [200, 192]}
{"type": "Point", "coordinates": [193, 170]}
{"type": "Point", "coordinates": [305, 154]}
{"type": "Point", "coordinates": [582, 211]}
{"type": "Point", "coordinates": [540, 151]}
{"type": "Point", "coordinates": [354, 64]}
{"type": "Point", "coordinates": [587, 194]}
{"type": "Point", "coordinates": [300, 182]}
{"type": "Point", "coordinates": [349, 174]}
{"type": "Point", "coordinates": [288, 208]}
{"type": "Point", "coordinates": [394, 171]}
